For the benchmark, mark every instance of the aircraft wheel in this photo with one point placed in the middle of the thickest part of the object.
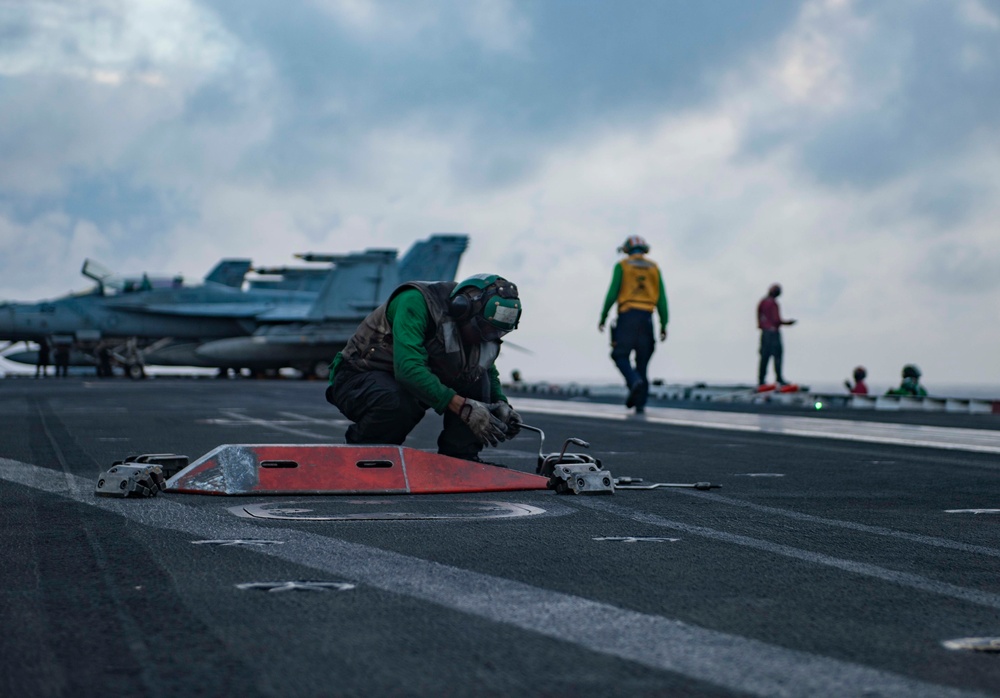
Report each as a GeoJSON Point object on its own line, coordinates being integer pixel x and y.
{"type": "Point", "coordinates": [135, 371]}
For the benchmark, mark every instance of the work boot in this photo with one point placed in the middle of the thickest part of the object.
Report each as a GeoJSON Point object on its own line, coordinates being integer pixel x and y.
{"type": "Point", "coordinates": [634, 392]}
{"type": "Point", "coordinates": [643, 398]}
{"type": "Point", "coordinates": [473, 459]}
{"type": "Point", "coordinates": [477, 459]}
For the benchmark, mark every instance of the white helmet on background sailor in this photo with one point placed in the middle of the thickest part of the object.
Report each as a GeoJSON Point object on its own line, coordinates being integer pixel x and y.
{"type": "Point", "coordinates": [634, 244]}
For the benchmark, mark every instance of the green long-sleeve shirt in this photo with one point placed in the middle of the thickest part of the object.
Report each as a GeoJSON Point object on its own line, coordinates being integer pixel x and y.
{"type": "Point", "coordinates": [615, 288]}
{"type": "Point", "coordinates": [409, 318]}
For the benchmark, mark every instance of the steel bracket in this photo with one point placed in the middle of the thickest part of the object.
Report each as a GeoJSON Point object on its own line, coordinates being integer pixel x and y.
{"type": "Point", "coordinates": [131, 481]}
{"type": "Point", "coordinates": [584, 478]}
{"type": "Point", "coordinates": [170, 463]}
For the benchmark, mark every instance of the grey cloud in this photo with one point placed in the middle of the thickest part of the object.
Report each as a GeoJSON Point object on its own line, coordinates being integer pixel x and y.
{"type": "Point", "coordinates": [926, 84]}
{"type": "Point", "coordinates": [316, 89]}
{"type": "Point", "coordinates": [121, 197]}
{"type": "Point", "coordinates": [14, 31]}
{"type": "Point", "coordinates": [585, 64]}
{"type": "Point", "coordinates": [492, 165]}
{"type": "Point", "coordinates": [960, 268]}
{"type": "Point", "coordinates": [827, 288]}
{"type": "Point", "coordinates": [137, 215]}
{"type": "Point", "coordinates": [947, 203]}
{"type": "Point", "coordinates": [77, 150]}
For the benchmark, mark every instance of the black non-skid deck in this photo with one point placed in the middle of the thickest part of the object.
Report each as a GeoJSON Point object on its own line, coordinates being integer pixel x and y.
{"type": "Point", "coordinates": [825, 565]}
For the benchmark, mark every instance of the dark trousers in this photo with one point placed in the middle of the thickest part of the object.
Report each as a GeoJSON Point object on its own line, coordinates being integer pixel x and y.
{"type": "Point", "coordinates": [770, 347]}
{"type": "Point", "coordinates": [384, 412]}
{"type": "Point", "coordinates": [633, 334]}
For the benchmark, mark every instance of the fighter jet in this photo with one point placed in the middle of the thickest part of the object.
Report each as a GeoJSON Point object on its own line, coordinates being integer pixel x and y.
{"type": "Point", "coordinates": [151, 321]}
{"type": "Point", "coordinates": [359, 284]}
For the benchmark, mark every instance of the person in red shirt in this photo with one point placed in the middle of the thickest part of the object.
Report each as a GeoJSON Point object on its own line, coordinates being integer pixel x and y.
{"type": "Point", "coordinates": [859, 387]}
{"type": "Point", "coordinates": [769, 321]}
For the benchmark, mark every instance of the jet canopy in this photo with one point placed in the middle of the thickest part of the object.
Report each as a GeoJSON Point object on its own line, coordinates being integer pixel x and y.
{"type": "Point", "coordinates": [110, 283]}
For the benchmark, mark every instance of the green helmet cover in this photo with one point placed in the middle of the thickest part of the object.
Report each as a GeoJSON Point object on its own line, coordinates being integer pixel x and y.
{"type": "Point", "coordinates": [502, 313]}
{"type": "Point", "coordinates": [500, 305]}
{"type": "Point", "coordinates": [479, 281]}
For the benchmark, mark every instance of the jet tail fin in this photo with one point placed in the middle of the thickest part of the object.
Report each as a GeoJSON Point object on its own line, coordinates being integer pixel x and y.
{"type": "Point", "coordinates": [229, 272]}
{"type": "Point", "coordinates": [360, 282]}
{"type": "Point", "coordinates": [356, 284]}
{"type": "Point", "coordinates": [434, 259]}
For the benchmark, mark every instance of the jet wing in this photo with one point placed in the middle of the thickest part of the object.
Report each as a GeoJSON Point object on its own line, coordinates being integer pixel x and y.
{"type": "Point", "coordinates": [216, 310]}
{"type": "Point", "coordinates": [286, 314]}
{"type": "Point", "coordinates": [355, 312]}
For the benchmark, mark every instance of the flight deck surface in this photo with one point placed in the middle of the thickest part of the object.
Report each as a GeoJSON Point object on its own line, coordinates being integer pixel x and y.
{"type": "Point", "coordinates": [837, 559]}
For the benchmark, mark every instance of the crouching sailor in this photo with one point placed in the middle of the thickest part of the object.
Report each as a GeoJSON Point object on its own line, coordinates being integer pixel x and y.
{"type": "Point", "coordinates": [431, 345]}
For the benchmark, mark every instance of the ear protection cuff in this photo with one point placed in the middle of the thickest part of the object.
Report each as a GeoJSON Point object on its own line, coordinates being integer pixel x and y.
{"type": "Point", "coordinates": [460, 307]}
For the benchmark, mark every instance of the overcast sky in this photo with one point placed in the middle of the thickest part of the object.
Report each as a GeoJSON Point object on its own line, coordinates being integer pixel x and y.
{"type": "Point", "coordinates": [849, 150]}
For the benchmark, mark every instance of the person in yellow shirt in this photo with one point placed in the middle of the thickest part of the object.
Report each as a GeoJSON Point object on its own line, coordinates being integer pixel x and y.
{"type": "Point", "coordinates": [637, 288]}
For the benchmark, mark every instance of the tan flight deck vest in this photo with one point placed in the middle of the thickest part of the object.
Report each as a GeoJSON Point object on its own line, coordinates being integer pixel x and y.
{"type": "Point", "coordinates": [640, 288]}
{"type": "Point", "coordinates": [370, 349]}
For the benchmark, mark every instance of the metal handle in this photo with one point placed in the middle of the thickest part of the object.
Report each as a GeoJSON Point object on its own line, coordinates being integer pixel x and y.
{"type": "Point", "coordinates": [572, 440]}
{"type": "Point", "coordinates": [541, 441]}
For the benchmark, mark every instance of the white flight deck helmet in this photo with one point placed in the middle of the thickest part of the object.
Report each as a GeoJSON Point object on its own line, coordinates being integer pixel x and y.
{"type": "Point", "coordinates": [633, 244]}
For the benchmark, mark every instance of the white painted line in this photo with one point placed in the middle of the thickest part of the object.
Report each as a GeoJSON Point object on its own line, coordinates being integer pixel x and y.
{"type": "Point", "coordinates": [237, 541]}
{"type": "Point", "coordinates": [314, 420]}
{"type": "Point", "coordinates": [853, 526]}
{"type": "Point", "coordinates": [277, 427]}
{"type": "Point", "coordinates": [244, 421]}
{"type": "Point", "coordinates": [469, 510]}
{"type": "Point", "coordinates": [976, 644]}
{"type": "Point", "coordinates": [906, 579]}
{"type": "Point", "coordinates": [637, 539]}
{"type": "Point", "coordinates": [301, 585]}
{"type": "Point", "coordinates": [976, 440]}
{"type": "Point", "coordinates": [972, 511]}
{"type": "Point", "coordinates": [736, 663]}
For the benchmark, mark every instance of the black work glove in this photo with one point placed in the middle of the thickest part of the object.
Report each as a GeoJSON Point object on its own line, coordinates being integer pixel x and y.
{"type": "Point", "coordinates": [510, 418]}
{"type": "Point", "coordinates": [484, 426]}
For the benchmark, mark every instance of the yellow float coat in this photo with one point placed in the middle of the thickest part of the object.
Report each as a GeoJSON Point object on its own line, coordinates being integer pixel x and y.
{"type": "Point", "coordinates": [640, 287]}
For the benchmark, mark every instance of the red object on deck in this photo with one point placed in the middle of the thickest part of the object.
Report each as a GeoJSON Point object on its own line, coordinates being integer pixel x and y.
{"type": "Point", "coordinates": [789, 388]}
{"type": "Point", "coordinates": [234, 469]}
{"type": "Point", "coordinates": [766, 388]}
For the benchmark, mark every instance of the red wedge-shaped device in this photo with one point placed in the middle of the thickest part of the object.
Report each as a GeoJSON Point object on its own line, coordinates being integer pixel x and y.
{"type": "Point", "coordinates": [235, 469]}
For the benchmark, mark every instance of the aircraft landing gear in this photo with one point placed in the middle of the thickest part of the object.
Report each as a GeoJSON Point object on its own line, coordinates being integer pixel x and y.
{"type": "Point", "coordinates": [129, 356]}
{"type": "Point", "coordinates": [319, 370]}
